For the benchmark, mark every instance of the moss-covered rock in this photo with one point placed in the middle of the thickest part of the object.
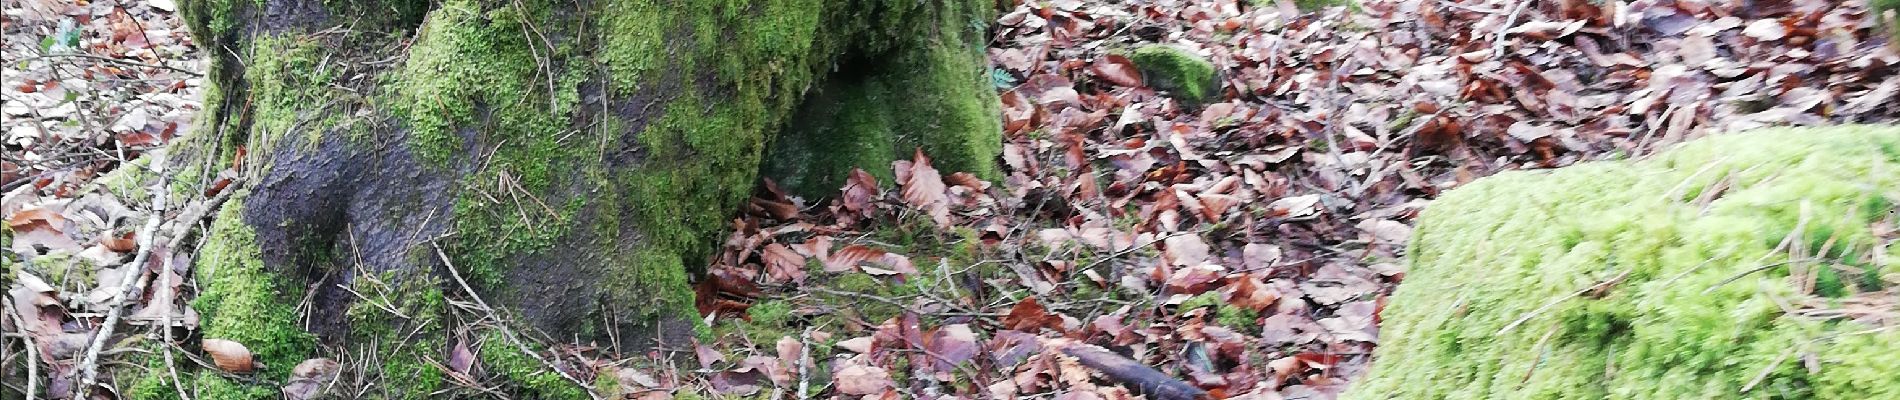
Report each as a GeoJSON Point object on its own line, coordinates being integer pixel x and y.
{"type": "Point", "coordinates": [1708, 271]}
{"type": "Point", "coordinates": [1189, 77]}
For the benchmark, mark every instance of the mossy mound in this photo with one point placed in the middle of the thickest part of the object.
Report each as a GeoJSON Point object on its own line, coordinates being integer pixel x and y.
{"type": "Point", "coordinates": [1189, 77]}
{"type": "Point", "coordinates": [1880, 8]}
{"type": "Point", "coordinates": [1742, 266]}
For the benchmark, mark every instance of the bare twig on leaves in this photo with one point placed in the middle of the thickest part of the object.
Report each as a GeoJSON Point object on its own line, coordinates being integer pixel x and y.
{"type": "Point", "coordinates": [1143, 379]}
{"type": "Point", "coordinates": [165, 324]}
{"type": "Point", "coordinates": [89, 366]}
{"type": "Point", "coordinates": [1497, 45]}
{"type": "Point", "coordinates": [502, 324]}
{"type": "Point", "coordinates": [32, 351]}
{"type": "Point", "coordinates": [187, 72]}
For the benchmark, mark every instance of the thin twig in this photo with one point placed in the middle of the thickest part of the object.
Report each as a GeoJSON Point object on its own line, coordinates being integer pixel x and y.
{"type": "Point", "coordinates": [89, 366]}
{"type": "Point", "coordinates": [501, 323]}
{"type": "Point", "coordinates": [1553, 303]}
{"type": "Point", "coordinates": [804, 364]}
{"type": "Point", "coordinates": [1497, 45]}
{"type": "Point", "coordinates": [32, 351]}
{"type": "Point", "coordinates": [114, 61]}
{"type": "Point", "coordinates": [165, 324]}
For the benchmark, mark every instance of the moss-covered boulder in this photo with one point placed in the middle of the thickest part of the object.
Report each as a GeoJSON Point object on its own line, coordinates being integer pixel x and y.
{"type": "Point", "coordinates": [1748, 266]}
{"type": "Point", "coordinates": [1187, 76]}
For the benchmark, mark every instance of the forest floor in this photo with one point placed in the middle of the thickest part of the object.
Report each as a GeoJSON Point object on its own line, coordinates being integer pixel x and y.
{"type": "Point", "coordinates": [1242, 245]}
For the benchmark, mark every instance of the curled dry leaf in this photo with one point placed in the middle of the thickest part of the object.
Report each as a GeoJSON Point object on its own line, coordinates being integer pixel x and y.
{"type": "Point", "coordinates": [1766, 29]}
{"type": "Point", "coordinates": [853, 256]}
{"type": "Point", "coordinates": [860, 190]}
{"type": "Point", "coordinates": [860, 345]}
{"type": "Point", "coordinates": [1117, 69]}
{"type": "Point", "coordinates": [309, 379]}
{"type": "Point", "coordinates": [230, 356]}
{"type": "Point", "coordinates": [782, 264]}
{"type": "Point", "coordinates": [461, 359]}
{"type": "Point", "coordinates": [862, 380]}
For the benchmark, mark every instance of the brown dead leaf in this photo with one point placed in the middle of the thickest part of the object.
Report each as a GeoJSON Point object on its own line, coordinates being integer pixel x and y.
{"type": "Point", "coordinates": [1029, 315]}
{"type": "Point", "coordinates": [857, 255]}
{"type": "Point", "coordinates": [857, 379]}
{"type": "Point", "coordinates": [310, 379]}
{"type": "Point", "coordinates": [923, 188]}
{"type": "Point", "coordinates": [1116, 69]}
{"type": "Point", "coordinates": [782, 264]}
{"type": "Point", "coordinates": [229, 356]}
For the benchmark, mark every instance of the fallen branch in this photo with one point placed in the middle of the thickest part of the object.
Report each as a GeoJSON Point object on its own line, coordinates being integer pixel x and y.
{"type": "Point", "coordinates": [501, 324]}
{"type": "Point", "coordinates": [165, 324]}
{"type": "Point", "coordinates": [1143, 379]}
{"type": "Point", "coordinates": [89, 366]}
{"type": "Point", "coordinates": [32, 352]}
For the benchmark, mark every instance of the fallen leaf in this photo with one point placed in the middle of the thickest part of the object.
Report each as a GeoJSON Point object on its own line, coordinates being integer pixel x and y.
{"type": "Point", "coordinates": [861, 380]}
{"type": "Point", "coordinates": [229, 356]}
{"type": "Point", "coordinates": [1116, 69]}
{"type": "Point", "coordinates": [1766, 29]}
{"type": "Point", "coordinates": [1029, 315]}
{"type": "Point", "coordinates": [782, 264]}
{"type": "Point", "coordinates": [923, 188]}
{"type": "Point", "coordinates": [460, 358]}
{"type": "Point", "coordinates": [310, 378]}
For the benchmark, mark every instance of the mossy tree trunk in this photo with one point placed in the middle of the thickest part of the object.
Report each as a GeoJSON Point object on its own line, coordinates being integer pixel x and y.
{"type": "Point", "coordinates": [573, 160]}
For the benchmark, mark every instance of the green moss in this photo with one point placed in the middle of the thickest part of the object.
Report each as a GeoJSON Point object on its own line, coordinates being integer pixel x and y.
{"type": "Point", "coordinates": [934, 96]}
{"type": "Point", "coordinates": [529, 378]}
{"type": "Point", "coordinates": [768, 321]}
{"type": "Point", "coordinates": [1190, 77]}
{"type": "Point", "coordinates": [245, 302]}
{"type": "Point", "coordinates": [1222, 313]}
{"type": "Point", "coordinates": [1879, 9]}
{"type": "Point", "coordinates": [470, 62]}
{"type": "Point", "coordinates": [129, 182]}
{"type": "Point", "coordinates": [290, 91]}
{"type": "Point", "coordinates": [405, 350]}
{"type": "Point", "coordinates": [1696, 310]}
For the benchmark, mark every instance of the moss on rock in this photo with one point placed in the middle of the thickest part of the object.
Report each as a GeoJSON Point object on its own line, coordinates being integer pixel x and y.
{"type": "Point", "coordinates": [1189, 77]}
{"type": "Point", "coordinates": [1679, 276]}
{"type": "Point", "coordinates": [930, 91]}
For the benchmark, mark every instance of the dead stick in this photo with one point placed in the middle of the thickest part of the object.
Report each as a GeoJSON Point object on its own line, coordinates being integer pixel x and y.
{"type": "Point", "coordinates": [1146, 380]}
{"type": "Point", "coordinates": [32, 352]}
{"type": "Point", "coordinates": [89, 366]}
{"type": "Point", "coordinates": [165, 323]}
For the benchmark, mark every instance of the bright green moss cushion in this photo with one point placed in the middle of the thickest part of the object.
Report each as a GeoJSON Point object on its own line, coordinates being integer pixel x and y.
{"type": "Point", "coordinates": [1717, 268]}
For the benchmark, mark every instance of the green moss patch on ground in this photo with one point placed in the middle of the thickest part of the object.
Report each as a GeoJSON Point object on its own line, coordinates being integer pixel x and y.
{"type": "Point", "coordinates": [1189, 77]}
{"type": "Point", "coordinates": [1686, 275]}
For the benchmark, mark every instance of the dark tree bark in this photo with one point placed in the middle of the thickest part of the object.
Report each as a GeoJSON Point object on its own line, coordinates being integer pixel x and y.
{"type": "Point", "coordinates": [571, 160]}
